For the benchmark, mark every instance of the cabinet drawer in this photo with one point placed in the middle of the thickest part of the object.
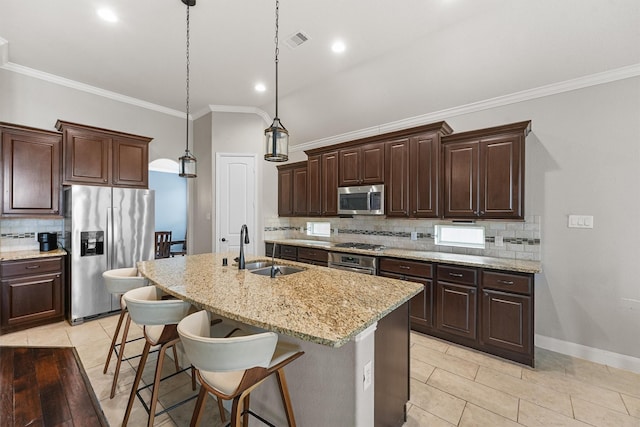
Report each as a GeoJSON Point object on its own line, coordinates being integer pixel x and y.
{"type": "Point", "coordinates": [409, 268]}
{"type": "Point", "coordinates": [31, 267]}
{"type": "Point", "coordinates": [462, 275]}
{"type": "Point", "coordinates": [313, 254]}
{"type": "Point", "coordinates": [507, 282]}
{"type": "Point", "coordinates": [289, 252]}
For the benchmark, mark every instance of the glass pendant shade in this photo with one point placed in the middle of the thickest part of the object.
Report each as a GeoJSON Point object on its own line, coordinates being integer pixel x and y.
{"type": "Point", "coordinates": [277, 142]}
{"type": "Point", "coordinates": [187, 165]}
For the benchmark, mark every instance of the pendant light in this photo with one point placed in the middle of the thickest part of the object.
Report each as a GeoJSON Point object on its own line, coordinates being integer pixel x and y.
{"type": "Point", "coordinates": [188, 161]}
{"type": "Point", "coordinates": [276, 136]}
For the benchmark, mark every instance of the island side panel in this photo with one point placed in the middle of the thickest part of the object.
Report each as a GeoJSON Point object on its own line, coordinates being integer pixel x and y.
{"type": "Point", "coordinates": [322, 385]}
{"type": "Point", "coordinates": [392, 367]}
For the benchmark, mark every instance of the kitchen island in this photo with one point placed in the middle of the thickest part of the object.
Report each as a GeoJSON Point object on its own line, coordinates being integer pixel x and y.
{"type": "Point", "coordinates": [353, 328]}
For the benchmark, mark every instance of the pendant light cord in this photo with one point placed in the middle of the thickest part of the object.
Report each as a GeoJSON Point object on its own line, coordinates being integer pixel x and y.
{"type": "Point", "coordinates": [188, 7]}
{"type": "Point", "coordinates": [277, 51]}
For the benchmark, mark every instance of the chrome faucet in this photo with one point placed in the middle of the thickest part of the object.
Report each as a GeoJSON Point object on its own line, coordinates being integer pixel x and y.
{"type": "Point", "coordinates": [274, 270]}
{"type": "Point", "coordinates": [244, 240]}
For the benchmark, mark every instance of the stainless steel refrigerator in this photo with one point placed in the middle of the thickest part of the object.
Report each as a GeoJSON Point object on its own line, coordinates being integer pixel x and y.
{"type": "Point", "coordinates": [105, 228]}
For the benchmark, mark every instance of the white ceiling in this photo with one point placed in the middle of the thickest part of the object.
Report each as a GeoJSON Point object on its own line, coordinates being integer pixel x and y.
{"type": "Point", "coordinates": [404, 58]}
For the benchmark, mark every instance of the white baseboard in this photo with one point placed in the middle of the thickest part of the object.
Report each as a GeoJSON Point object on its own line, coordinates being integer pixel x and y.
{"type": "Point", "coordinates": [592, 354]}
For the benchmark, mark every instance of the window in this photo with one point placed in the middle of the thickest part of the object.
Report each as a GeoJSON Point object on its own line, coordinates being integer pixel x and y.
{"type": "Point", "coordinates": [463, 236]}
{"type": "Point", "coordinates": [320, 229]}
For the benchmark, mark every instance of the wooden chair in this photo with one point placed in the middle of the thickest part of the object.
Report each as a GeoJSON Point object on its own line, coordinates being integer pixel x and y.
{"type": "Point", "coordinates": [163, 244]}
{"type": "Point", "coordinates": [183, 250]}
{"type": "Point", "coordinates": [230, 368]}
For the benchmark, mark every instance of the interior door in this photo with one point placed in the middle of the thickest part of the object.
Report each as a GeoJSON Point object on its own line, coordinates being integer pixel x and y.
{"type": "Point", "coordinates": [235, 201]}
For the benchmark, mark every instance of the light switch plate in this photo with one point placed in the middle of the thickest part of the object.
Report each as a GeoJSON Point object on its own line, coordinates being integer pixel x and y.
{"type": "Point", "coordinates": [580, 221]}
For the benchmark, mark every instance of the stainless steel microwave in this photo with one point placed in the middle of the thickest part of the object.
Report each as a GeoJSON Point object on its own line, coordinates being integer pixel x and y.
{"type": "Point", "coordinates": [361, 200]}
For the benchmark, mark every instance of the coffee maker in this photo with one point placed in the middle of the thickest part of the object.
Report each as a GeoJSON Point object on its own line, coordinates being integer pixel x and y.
{"type": "Point", "coordinates": [48, 241]}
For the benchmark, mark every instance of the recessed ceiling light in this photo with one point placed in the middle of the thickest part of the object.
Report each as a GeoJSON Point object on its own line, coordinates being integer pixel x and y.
{"type": "Point", "coordinates": [260, 87]}
{"type": "Point", "coordinates": [107, 15]}
{"type": "Point", "coordinates": [338, 46]}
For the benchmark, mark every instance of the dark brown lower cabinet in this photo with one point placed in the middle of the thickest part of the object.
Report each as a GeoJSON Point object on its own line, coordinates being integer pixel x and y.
{"type": "Point", "coordinates": [507, 315]}
{"type": "Point", "coordinates": [422, 305]}
{"type": "Point", "coordinates": [313, 256]}
{"type": "Point", "coordinates": [31, 293]}
{"type": "Point", "coordinates": [456, 309]}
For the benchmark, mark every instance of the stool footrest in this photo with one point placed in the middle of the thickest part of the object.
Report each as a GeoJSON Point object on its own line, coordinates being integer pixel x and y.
{"type": "Point", "coordinates": [175, 405]}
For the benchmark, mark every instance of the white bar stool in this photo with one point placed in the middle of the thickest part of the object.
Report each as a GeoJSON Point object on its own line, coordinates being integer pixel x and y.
{"type": "Point", "coordinates": [118, 282]}
{"type": "Point", "coordinates": [230, 368]}
{"type": "Point", "coordinates": [159, 317]}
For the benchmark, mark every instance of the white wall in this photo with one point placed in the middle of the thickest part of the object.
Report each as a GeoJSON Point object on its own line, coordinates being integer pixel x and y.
{"type": "Point", "coordinates": [34, 102]}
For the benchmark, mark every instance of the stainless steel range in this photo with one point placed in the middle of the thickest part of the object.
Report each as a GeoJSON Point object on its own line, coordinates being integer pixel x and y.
{"type": "Point", "coordinates": [358, 263]}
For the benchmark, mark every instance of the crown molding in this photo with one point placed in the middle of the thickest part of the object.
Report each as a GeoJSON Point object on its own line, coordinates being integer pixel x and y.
{"type": "Point", "coordinates": [500, 101]}
{"type": "Point", "coordinates": [235, 109]}
{"type": "Point", "coordinates": [88, 88]}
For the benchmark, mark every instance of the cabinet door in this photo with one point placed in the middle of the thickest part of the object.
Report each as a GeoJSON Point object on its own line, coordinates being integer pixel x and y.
{"type": "Point", "coordinates": [372, 163]}
{"type": "Point", "coordinates": [300, 191]}
{"type": "Point", "coordinates": [500, 177]}
{"type": "Point", "coordinates": [456, 309]}
{"type": "Point", "coordinates": [329, 183]}
{"type": "Point", "coordinates": [130, 163]}
{"type": "Point", "coordinates": [461, 179]}
{"type": "Point", "coordinates": [31, 172]}
{"type": "Point", "coordinates": [424, 152]}
{"type": "Point", "coordinates": [30, 299]}
{"type": "Point", "coordinates": [87, 159]}
{"type": "Point", "coordinates": [397, 178]}
{"type": "Point", "coordinates": [314, 185]}
{"type": "Point", "coordinates": [421, 305]}
{"type": "Point", "coordinates": [506, 321]}
{"type": "Point", "coordinates": [285, 192]}
{"type": "Point", "coordinates": [349, 163]}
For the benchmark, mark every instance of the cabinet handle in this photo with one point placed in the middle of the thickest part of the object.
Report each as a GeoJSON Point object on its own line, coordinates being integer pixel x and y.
{"type": "Point", "coordinates": [481, 213]}
{"type": "Point", "coordinates": [455, 274]}
{"type": "Point", "coordinates": [472, 291]}
{"type": "Point", "coordinates": [32, 267]}
{"type": "Point", "coordinates": [404, 267]}
{"type": "Point", "coordinates": [475, 213]}
{"type": "Point", "coordinates": [505, 282]}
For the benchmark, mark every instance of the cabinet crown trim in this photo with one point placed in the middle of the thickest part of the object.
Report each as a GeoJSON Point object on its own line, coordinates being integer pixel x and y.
{"type": "Point", "coordinates": [61, 125]}
{"type": "Point", "coordinates": [519, 127]}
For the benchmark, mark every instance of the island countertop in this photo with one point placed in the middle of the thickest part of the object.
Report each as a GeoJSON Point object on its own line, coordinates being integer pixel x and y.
{"type": "Point", "coordinates": [321, 305]}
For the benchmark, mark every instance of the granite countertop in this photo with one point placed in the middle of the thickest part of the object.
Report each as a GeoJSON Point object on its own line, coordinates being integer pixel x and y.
{"type": "Point", "coordinates": [321, 305]}
{"type": "Point", "coordinates": [443, 257]}
{"type": "Point", "coordinates": [33, 253]}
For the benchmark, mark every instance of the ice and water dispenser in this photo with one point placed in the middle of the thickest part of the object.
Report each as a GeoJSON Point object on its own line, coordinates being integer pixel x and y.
{"type": "Point", "coordinates": [91, 243]}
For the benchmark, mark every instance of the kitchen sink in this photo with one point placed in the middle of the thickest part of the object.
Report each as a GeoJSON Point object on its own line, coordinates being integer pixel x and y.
{"type": "Point", "coordinates": [281, 270]}
{"type": "Point", "coordinates": [254, 265]}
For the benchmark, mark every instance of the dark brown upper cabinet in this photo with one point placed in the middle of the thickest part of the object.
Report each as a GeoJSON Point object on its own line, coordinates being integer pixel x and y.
{"type": "Point", "coordinates": [292, 189]}
{"type": "Point", "coordinates": [484, 173]}
{"type": "Point", "coordinates": [98, 156]}
{"type": "Point", "coordinates": [322, 190]}
{"type": "Point", "coordinates": [361, 164]}
{"type": "Point", "coordinates": [31, 161]}
{"type": "Point", "coordinates": [412, 173]}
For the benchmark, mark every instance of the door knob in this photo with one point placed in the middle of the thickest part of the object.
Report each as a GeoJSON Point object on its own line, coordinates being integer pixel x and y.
{"type": "Point", "coordinates": [224, 239]}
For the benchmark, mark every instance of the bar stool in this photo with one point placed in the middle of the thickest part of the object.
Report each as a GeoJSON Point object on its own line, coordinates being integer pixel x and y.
{"type": "Point", "coordinates": [230, 368]}
{"type": "Point", "coordinates": [118, 282]}
{"type": "Point", "coordinates": [159, 318]}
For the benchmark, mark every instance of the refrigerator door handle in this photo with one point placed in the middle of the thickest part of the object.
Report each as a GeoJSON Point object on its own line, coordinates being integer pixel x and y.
{"type": "Point", "coordinates": [107, 240]}
{"type": "Point", "coordinates": [115, 234]}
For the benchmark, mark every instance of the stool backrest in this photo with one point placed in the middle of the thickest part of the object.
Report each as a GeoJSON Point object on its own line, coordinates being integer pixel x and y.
{"type": "Point", "coordinates": [122, 280]}
{"type": "Point", "coordinates": [223, 354]}
{"type": "Point", "coordinates": [146, 307]}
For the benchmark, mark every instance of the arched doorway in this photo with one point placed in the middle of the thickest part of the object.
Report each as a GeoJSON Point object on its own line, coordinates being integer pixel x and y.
{"type": "Point", "coordinates": [170, 200]}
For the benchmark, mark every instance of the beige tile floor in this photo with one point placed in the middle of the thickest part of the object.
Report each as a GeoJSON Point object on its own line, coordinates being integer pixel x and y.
{"type": "Point", "coordinates": [450, 385]}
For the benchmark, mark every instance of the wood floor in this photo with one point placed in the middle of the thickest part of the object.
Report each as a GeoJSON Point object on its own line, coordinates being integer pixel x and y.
{"type": "Point", "coordinates": [45, 386]}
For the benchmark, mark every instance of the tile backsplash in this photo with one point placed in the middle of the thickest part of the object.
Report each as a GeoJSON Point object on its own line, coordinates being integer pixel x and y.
{"type": "Point", "coordinates": [22, 234]}
{"type": "Point", "coordinates": [520, 240]}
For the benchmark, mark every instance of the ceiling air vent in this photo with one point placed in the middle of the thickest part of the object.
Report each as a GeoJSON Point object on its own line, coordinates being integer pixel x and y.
{"type": "Point", "coordinates": [296, 39]}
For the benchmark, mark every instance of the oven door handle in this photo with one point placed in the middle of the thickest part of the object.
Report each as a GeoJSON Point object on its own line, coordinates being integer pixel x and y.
{"type": "Point", "coordinates": [353, 269]}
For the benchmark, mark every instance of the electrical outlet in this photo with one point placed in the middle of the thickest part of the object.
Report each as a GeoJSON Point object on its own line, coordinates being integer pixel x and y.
{"type": "Point", "coordinates": [366, 376]}
{"type": "Point", "coordinates": [499, 241]}
{"type": "Point", "coordinates": [414, 235]}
